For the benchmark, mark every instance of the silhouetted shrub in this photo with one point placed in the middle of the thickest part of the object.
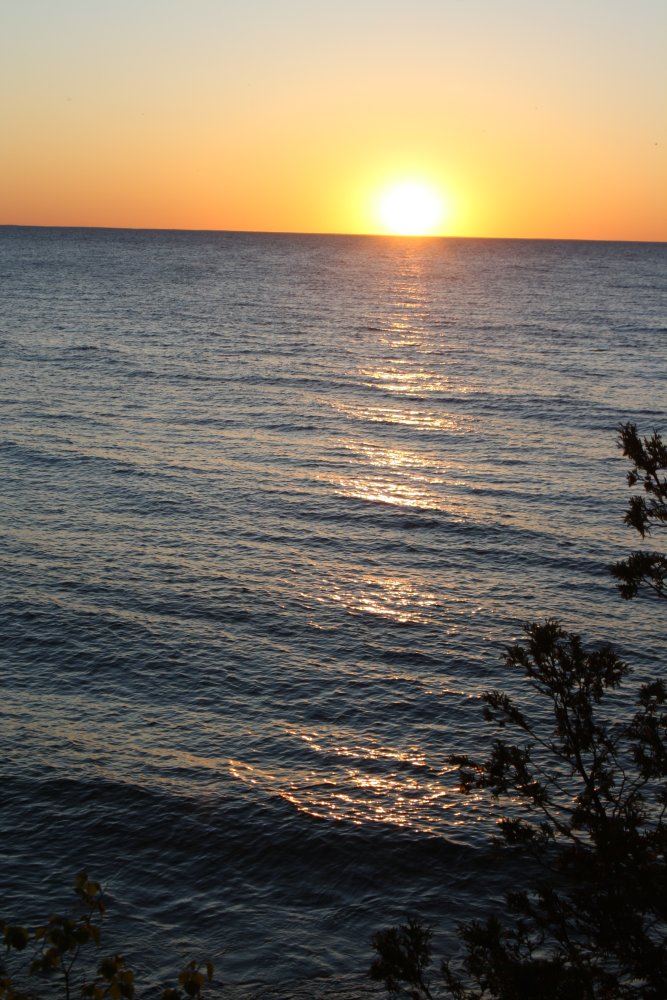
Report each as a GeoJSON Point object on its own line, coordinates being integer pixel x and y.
{"type": "Point", "coordinates": [586, 796]}
{"type": "Point", "coordinates": [645, 512]}
{"type": "Point", "coordinates": [54, 949]}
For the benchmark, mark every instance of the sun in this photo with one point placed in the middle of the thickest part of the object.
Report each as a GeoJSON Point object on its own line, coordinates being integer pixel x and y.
{"type": "Point", "coordinates": [410, 208]}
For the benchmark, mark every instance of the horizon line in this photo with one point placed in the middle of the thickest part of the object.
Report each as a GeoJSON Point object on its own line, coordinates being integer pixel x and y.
{"type": "Point", "coordinates": [294, 232]}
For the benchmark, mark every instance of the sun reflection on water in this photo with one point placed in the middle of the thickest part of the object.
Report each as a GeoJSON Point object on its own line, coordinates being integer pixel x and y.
{"type": "Point", "coordinates": [396, 598]}
{"type": "Point", "coordinates": [399, 380]}
{"type": "Point", "coordinates": [380, 490]}
{"type": "Point", "coordinates": [409, 416]}
{"type": "Point", "coordinates": [407, 478]}
{"type": "Point", "coordinates": [364, 783]}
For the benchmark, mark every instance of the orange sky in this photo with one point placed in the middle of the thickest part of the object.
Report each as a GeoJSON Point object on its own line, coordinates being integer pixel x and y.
{"type": "Point", "coordinates": [532, 119]}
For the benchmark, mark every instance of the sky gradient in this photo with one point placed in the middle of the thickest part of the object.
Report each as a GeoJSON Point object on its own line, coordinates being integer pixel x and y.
{"type": "Point", "coordinates": [532, 119]}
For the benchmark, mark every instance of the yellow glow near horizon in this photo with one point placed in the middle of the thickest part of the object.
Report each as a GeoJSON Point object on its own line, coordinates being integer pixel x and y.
{"type": "Point", "coordinates": [411, 208]}
{"type": "Point", "coordinates": [225, 120]}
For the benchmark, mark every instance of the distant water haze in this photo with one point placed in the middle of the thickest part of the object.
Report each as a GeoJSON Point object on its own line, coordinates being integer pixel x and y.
{"type": "Point", "coordinates": [273, 508]}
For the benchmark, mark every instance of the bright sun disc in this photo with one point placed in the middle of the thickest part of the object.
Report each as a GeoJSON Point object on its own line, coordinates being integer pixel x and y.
{"type": "Point", "coordinates": [412, 208]}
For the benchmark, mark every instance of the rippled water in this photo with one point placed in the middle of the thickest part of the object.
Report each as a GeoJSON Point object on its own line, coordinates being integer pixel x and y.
{"type": "Point", "coordinates": [273, 507]}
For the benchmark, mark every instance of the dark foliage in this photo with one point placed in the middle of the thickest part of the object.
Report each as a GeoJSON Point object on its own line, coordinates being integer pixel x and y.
{"type": "Point", "coordinates": [54, 950]}
{"type": "Point", "coordinates": [404, 955]}
{"type": "Point", "coordinates": [589, 795]}
{"type": "Point", "coordinates": [585, 796]}
{"type": "Point", "coordinates": [646, 512]}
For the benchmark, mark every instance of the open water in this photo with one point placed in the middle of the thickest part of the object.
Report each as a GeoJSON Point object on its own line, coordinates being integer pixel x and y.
{"type": "Point", "coordinates": [273, 506]}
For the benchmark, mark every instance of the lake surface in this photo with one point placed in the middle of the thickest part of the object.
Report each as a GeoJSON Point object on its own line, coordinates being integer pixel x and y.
{"type": "Point", "coordinates": [273, 507]}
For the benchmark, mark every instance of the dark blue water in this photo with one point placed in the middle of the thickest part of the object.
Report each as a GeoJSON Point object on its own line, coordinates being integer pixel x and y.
{"type": "Point", "coordinates": [273, 506]}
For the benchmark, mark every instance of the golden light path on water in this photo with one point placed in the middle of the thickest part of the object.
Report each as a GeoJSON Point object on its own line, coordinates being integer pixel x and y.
{"type": "Point", "coordinates": [403, 367]}
{"type": "Point", "coordinates": [393, 597]}
{"type": "Point", "coordinates": [408, 416]}
{"type": "Point", "coordinates": [358, 779]}
{"type": "Point", "coordinates": [400, 380]}
{"type": "Point", "coordinates": [395, 476]}
{"type": "Point", "coordinates": [366, 781]}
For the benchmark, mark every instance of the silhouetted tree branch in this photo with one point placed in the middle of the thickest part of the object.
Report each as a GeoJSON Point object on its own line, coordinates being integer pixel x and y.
{"type": "Point", "coordinates": [645, 512]}
{"type": "Point", "coordinates": [593, 793]}
{"type": "Point", "coordinates": [582, 789]}
{"type": "Point", "coordinates": [55, 948]}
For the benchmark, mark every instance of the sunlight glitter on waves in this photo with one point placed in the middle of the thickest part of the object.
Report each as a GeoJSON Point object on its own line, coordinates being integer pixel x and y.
{"type": "Point", "coordinates": [352, 795]}
{"type": "Point", "coordinates": [408, 417]}
{"type": "Point", "coordinates": [376, 800]}
{"type": "Point", "coordinates": [393, 598]}
{"type": "Point", "coordinates": [399, 381]}
{"type": "Point", "coordinates": [397, 494]}
{"type": "Point", "coordinates": [407, 480]}
{"type": "Point", "coordinates": [402, 334]}
{"type": "Point", "coordinates": [394, 458]}
{"type": "Point", "coordinates": [401, 460]}
{"type": "Point", "coordinates": [380, 800]}
{"type": "Point", "coordinates": [366, 751]}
